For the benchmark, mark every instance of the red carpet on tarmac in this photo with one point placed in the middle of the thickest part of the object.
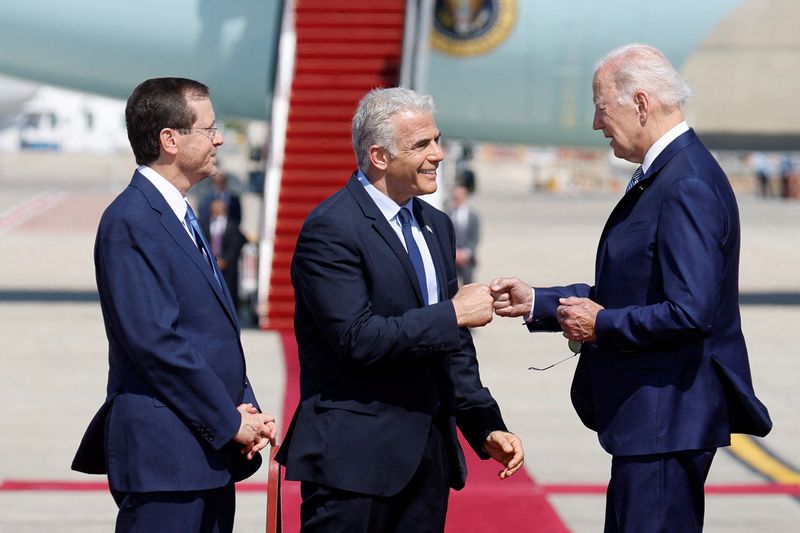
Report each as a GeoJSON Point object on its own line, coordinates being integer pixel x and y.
{"type": "Point", "coordinates": [486, 504]}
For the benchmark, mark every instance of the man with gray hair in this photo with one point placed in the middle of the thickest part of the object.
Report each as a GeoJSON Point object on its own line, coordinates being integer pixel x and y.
{"type": "Point", "coordinates": [663, 377]}
{"type": "Point", "coordinates": [388, 369]}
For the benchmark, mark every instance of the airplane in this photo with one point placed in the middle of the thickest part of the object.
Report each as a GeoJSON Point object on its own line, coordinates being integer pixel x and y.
{"type": "Point", "coordinates": [13, 93]}
{"type": "Point", "coordinates": [509, 71]}
{"type": "Point", "coordinates": [503, 71]}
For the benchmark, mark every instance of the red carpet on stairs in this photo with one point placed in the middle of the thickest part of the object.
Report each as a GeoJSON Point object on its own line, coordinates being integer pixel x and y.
{"type": "Point", "coordinates": [344, 49]}
{"type": "Point", "coordinates": [486, 504]}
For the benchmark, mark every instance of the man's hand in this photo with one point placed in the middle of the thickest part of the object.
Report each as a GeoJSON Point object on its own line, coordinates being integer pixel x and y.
{"type": "Point", "coordinates": [473, 306]}
{"type": "Point", "coordinates": [512, 297]}
{"type": "Point", "coordinates": [256, 430]}
{"type": "Point", "coordinates": [506, 449]}
{"type": "Point", "coordinates": [578, 317]}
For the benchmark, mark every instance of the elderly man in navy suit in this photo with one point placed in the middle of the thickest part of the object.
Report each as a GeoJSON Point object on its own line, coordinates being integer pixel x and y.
{"type": "Point", "coordinates": [387, 365]}
{"type": "Point", "coordinates": [180, 423]}
{"type": "Point", "coordinates": [663, 377]}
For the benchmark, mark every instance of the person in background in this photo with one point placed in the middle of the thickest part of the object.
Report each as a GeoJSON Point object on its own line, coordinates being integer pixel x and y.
{"type": "Point", "coordinates": [762, 169]}
{"type": "Point", "coordinates": [786, 169]}
{"type": "Point", "coordinates": [220, 191]}
{"type": "Point", "coordinates": [467, 227]}
{"type": "Point", "coordinates": [226, 241]}
{"type": "Point", "coordinates": [663, 376]}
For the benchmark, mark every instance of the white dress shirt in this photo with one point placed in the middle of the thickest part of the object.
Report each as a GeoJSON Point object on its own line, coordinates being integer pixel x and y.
{"type": "Point", "coordinates": [176, 201]}
{"type": "Point", "coordinates": [390, 209]}
{"type": "Point", "coordinates": [662, 143]}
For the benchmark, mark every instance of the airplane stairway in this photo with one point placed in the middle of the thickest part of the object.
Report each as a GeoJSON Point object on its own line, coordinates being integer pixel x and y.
{"type": "Point", "coordinates": [344, 49]}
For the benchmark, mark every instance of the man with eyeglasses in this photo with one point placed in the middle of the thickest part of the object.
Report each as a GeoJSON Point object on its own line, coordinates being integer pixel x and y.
{"type": "Point", "coordinates": [180, 423]}
{"type": "Point", "coordinates": [663, 377]}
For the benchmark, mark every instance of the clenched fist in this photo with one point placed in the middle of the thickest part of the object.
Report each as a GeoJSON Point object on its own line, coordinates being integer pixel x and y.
{"type": "Point", "coordinates": [512, 297]}
{"type": "Point", "coordinates": [473, 305]}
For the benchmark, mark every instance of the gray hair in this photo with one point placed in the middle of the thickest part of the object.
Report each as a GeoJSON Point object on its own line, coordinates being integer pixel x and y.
{"type": "Point", "coordinates": [372, 121]}
{"type": "Point", "coordinates": [638, 67]}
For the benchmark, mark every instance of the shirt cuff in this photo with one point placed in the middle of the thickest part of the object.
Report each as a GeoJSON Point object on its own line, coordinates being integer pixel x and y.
{"type": "Point", "coordinates": [533, 302]}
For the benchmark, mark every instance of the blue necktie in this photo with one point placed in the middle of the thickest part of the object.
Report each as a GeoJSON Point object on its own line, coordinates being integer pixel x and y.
{"type": "Point", "coordinates": [200, 241]}
{"type": "Point", "coordinates": [639, 174]}
{"type": "Point", "coordinates": [413, 251]}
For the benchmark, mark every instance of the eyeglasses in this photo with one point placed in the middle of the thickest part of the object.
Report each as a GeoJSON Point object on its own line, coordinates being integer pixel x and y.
{"type": "Point", "coordinates": [574, 346]}
{"type": "Point", "coordinates": [211, 133]}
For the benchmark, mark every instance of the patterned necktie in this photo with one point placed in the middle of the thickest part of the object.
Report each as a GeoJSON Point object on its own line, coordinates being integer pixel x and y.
{"type": "Point", "coordinates": [639, 174]}
{"type": "Point", "coordinates": [413, 251]}
{"type": "Point", "coordinates": [200, 241]}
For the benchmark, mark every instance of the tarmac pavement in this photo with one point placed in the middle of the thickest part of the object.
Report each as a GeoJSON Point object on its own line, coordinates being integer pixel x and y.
{"type": "Point", "coordinates": [53, 351]}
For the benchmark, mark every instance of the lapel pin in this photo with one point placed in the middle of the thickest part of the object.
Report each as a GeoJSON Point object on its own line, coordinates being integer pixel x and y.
{"type": "Point", "coordinates": [427, 227]}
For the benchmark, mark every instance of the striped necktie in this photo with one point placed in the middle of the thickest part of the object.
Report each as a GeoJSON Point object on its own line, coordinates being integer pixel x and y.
{"type": "Point", "coordinates": [639, 174]}
{"type": "Point", "coordinates": [200, 241]}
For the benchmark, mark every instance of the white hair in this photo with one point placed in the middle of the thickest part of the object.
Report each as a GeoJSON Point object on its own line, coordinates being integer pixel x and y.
{"type": "Point", "coordinates": [640, 67]}
{"type": "Point", "coordinates": [372, 121]}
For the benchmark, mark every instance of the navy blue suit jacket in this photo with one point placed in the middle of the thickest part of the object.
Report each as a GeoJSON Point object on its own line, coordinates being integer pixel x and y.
{"type": "Point", "coordinates": [375, 361]}
{"type": "Point", "coordinates": [176, 366]}
{"type": "Point", "coordinates": [669, 370]}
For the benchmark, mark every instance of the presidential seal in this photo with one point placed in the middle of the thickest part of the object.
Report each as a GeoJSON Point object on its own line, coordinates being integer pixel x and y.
{"type": "Point", "coordinates": [472, 27]}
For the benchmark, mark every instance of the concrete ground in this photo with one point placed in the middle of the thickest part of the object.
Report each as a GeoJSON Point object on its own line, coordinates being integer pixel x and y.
{"type": "Point", "coordinates": [53, 349]}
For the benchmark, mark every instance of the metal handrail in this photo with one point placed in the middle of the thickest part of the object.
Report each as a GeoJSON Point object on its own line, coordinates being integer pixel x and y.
{"type": "Point", "coordinates": [277, 143]}
{"type": "Point", "coordinates": [416, 44]}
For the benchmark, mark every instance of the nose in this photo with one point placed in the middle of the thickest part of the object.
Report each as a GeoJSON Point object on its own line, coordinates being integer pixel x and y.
{"type": "Point", "coordinates": [597, 123]}
{"type": "Point", "coordinates": [437, 154]}
{"type": "Point", "coordinates": [218, 140]}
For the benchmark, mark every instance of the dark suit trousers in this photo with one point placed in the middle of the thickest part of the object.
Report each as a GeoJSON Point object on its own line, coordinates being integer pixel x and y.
{"type": "Point", "coordinates": [658, 493]}
{"type": "Point", "coordinates": [202, 511]}
{"type": "Point", "coordinates": [420, 507]}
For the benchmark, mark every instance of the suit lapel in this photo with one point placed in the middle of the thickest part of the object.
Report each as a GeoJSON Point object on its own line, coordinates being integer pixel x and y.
{"type": "Point", "coordinates": [629, 200]}
{"type": "Point", "coordinates": [182, 239]}
{"type": "Point", "coordinates": [381, 225]}
{"type": "Point", "coordinates": [193, 251]}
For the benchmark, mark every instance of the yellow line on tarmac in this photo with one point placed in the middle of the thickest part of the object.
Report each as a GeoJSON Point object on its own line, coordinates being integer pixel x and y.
{"type": "Point", "coordinates": [748, 450]}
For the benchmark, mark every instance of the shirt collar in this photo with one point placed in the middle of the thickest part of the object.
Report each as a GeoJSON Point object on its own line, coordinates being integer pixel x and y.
{"type": "Point", "coordinates": [176, 201]}
{"type": "Point", "coordinates": [662, 143]}
{"type": "Point", "coordinates": [387, 206]}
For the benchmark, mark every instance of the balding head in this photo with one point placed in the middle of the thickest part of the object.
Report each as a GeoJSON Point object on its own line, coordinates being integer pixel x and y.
{"type": "Point", "coordinates": [640, 67]}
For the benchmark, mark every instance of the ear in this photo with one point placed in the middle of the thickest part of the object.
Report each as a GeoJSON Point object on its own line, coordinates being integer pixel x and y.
{"type": "Point", "coordinates": [379, 157]}
{"type": "Point", "coordinates": [169, 141]}
{"type": "Point", "coordinates": [642, 103]}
